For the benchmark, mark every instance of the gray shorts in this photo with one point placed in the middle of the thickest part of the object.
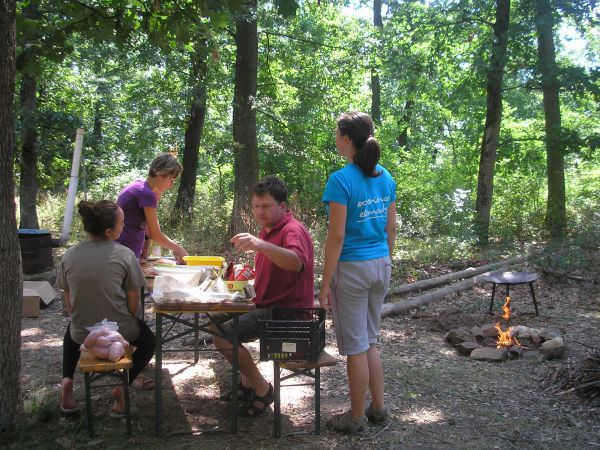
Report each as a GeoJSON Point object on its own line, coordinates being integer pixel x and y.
{"type": "Point", "coordinates": [248, 323]}
{"type": "Point", "coordinates": [358, 289]}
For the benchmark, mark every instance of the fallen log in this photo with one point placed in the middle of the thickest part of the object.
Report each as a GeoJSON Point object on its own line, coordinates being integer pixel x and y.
{"type": "Point", "coordinates": [561, 274]}
{"type": "Point", "coordinates": [389, 309]}
{"type": "Point", "coordinates": [443, 279]}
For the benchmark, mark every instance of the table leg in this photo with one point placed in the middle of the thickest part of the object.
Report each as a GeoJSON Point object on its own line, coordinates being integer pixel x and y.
{"type": "Point", "coordinates": [158, 376]}
{"type": "Point", "coordinates": [493, 295]}
{"type": "Point", "coordinates": [277, 387]}
{"type": "Point", "coordinates": [234, 372]}
{"type": "Point", "coordinates": [125, 379]}
{"type": "Point", "coordinates": [196, 355]}
{"type": "Point", "coordinates": [88, 403]}
{"type": "Point", "coordinates": [533, 296]}
{"type": "Point", "coordinates": [317, 400]}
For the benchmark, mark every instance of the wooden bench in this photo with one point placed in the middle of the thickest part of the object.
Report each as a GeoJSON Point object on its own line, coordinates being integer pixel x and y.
{"type": "Point", "coordinates": [300, 368]}
{"type": "Point", "coordinates": [95, 369]}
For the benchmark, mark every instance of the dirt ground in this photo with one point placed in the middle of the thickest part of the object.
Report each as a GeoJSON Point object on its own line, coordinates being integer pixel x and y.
{"type": "Point", "coordinates": [437, 398]}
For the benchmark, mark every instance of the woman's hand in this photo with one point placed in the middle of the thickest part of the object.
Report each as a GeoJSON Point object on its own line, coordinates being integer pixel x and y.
{"type": "Point", "coordinates": [179, 252]}
{"type": "Point", "coordinates": [325, 298]}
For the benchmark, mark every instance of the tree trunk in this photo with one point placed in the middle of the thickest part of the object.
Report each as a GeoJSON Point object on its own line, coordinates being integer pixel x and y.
{"type": "Point", "coordinates": [493, 119]}
{"type": "Point", "coordinates": [10, 262]}
{"type": "Point", "coordinates": [375, 83]}
{"type": "Point", "coordinates": [245, 166]}
{"type": "Point", "coordinates": [556, 216]}
{"type": "Point", "coordinates": [193, 134]}
{"type": "Point", "coordinates": [28, 187]}
{"type": "Point", "coordinates": [404, 124]}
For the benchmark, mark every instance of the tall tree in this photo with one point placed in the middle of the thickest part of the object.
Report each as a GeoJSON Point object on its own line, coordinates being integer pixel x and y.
{"type": "Point", "coordinates": [245, 142]}
{"type": "Point", "coordinates": [10, 263]}
{"type": "Point", "coordinates": [556, 215]}
{"type": "Point", "coordinates": [493, 119]}
{"type": "Point", "coordinates": [375, 67]}
{"type": "Point", "coordinates": [193, 132]}
{"type": "Point", "coordinates": [28, 186]}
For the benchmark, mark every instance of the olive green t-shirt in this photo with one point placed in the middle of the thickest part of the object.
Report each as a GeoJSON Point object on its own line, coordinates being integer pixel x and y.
{"type": "Point", "coordinates": [98, 275]}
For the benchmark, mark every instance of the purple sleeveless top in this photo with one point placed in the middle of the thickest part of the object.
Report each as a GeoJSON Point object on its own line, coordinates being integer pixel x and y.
{"type": "Point", "coordinates": [132, 200]}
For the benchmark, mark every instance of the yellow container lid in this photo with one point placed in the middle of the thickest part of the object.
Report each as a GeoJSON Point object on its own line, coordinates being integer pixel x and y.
{"type": "Point", "coordinates": [215, 261]}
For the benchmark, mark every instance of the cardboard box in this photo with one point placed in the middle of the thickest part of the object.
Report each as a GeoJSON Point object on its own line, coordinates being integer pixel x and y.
{"type": "Point", "coordinates": [43, 288]}
{"type": "Point", "coordinates": [31, 303]}
{"type": "Point", "coordinates": [33, 293]}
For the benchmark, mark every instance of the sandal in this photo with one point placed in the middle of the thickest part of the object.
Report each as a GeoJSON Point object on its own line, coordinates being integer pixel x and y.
{"type": "Point", "coordinates": [249, 409]}
{"type": "Point", "coordinates": [143, 383]}
{"type": "Point", "coordinates": [243, 394]}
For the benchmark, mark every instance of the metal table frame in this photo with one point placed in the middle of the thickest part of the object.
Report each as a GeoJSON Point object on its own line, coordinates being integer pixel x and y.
{"type": "Point", "coordinates": [175, 316]}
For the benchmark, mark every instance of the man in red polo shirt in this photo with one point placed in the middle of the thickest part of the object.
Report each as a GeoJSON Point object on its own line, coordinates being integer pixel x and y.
{"type": "Point", "coordinates": [284, 277]}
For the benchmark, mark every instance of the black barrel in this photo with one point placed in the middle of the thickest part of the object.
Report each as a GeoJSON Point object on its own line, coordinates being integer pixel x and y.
{"type": "Point", "coordinates": [36, 250]}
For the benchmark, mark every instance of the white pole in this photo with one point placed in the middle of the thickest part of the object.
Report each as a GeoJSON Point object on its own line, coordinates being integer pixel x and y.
{"type": "Point", "coordinates": [74, 181]}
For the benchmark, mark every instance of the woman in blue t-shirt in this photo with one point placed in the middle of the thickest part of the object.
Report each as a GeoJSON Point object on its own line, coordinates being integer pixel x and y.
{"type": "Point", "coordinates": [360, 201]}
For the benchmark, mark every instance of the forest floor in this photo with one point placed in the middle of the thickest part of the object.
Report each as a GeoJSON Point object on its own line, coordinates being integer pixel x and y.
{"type": "Point", "coordinates": [437, 398]}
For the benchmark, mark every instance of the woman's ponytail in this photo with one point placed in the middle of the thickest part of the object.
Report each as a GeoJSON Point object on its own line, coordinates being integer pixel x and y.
{"type": "Point", "coordinates": [358, 127]}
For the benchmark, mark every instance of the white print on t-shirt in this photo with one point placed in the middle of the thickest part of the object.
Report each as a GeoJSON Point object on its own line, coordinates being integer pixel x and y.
{"type": "Point", "coordinates": [368, 214]}
{"type": "Point", "coordinates": [373, 200]}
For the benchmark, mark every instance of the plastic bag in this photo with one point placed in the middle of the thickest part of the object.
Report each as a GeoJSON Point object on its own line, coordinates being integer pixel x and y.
{"type": "Point", "coordinates": [105, 342]}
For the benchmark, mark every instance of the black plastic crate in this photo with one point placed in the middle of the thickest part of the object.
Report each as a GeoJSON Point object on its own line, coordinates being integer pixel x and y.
{"type": "Point", "coordinates": [292, 334]}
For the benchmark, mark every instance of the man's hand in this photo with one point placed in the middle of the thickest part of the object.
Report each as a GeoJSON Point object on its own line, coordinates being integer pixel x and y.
{"type": "Point", "coordinates": [247, 242]}
{"type": "Point", "coordinates": [325, 298]}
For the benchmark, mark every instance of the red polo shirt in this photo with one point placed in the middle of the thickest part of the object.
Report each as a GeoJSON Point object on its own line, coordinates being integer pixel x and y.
{"type": "Point", "coordinates": [275, 286]}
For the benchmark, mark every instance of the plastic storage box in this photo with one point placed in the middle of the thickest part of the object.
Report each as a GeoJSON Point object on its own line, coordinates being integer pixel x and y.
{"type": "Point", "coordinates": [212, 261]}
{"type": "Point", "coordinates": [292, 334]}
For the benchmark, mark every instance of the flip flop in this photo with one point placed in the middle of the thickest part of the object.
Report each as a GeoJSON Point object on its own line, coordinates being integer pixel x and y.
{"type": "Point", "coordinates": [68, 411]}
{"type": "Point", "coordinates": [114, 414]}
{"type": "Point", "coordinates": [143, 383]}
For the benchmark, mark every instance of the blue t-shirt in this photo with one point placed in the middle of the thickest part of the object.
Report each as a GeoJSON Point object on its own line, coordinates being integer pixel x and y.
{"type": "Point", "coordinates": [367, 200]}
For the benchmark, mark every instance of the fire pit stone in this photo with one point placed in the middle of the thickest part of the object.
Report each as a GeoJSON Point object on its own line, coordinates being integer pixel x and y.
{"type": "Point", "coordinates": [466, 348]}
{"type": "Point", "coordinates": [553, 348]}
{"type": "Point", "coordinates": [489, 354]}
{"type": "Point", "coordinates": [528, 343]}
{"type": "Point", "coordinates": [459, 335]}
{"type": "Point", "coordinates": [489, 330]}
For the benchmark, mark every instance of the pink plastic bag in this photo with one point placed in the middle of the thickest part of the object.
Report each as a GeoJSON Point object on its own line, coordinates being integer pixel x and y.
{"type": "Point", "coordinates": [105, 342]}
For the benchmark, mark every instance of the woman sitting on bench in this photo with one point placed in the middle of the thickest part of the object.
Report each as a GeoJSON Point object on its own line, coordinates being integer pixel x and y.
{"type": "Point", "coordinates": [101, 280]}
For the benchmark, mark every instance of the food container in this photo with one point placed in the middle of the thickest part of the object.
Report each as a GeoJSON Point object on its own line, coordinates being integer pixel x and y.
{"type": "Point", "coordinates": [210, 261]}
{"type": "Point", "coordinates": [234, 286]}
{"type": "Point", "coordinates": [186, 274]}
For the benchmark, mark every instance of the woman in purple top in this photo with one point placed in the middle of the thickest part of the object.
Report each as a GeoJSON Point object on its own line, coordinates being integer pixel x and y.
{"type": "Point", "coordinates": [139, 201]}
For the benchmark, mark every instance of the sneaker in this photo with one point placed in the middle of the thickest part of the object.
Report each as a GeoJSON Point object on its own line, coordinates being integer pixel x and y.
{"type": "Point", "coordinates": [344, 423]}
{"type": "Point", "coordinates": [377, 416]}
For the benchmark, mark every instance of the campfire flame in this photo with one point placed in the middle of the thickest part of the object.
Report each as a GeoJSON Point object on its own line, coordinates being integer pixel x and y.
{"type": "Point", "coordinates": [504, 337]}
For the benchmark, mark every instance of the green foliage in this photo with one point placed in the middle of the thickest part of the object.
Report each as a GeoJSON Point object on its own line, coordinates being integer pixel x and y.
{"type": "Point", "coordinates": [41, 406]}
{"type": "Point", "coordinates": [122, 72]}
